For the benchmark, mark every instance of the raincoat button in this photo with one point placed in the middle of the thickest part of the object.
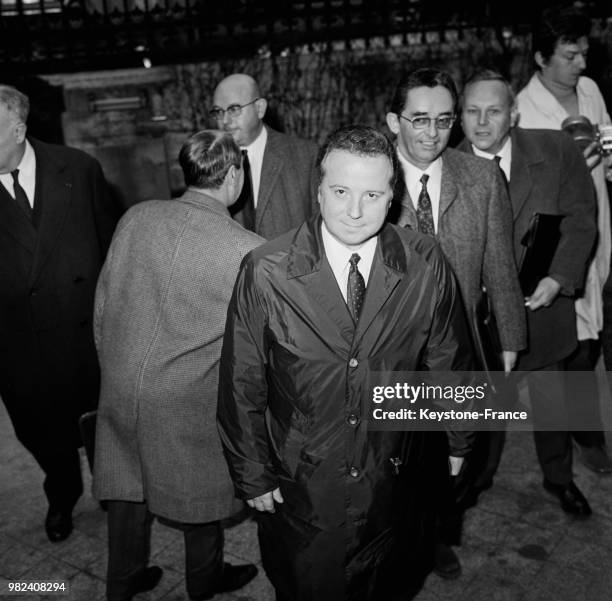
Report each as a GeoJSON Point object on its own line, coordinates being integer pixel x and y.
{"type": "Point", "coordinates": [352, 419]}
{"type": "Point", "coordinates": [354, 472]}
{"type": "Point", "coordinates": [353, 362]}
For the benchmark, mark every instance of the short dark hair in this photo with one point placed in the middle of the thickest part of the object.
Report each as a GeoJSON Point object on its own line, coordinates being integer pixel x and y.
{"type": "Point", "coordinates": [419, 78]}
{"type": "Point", "coordinates": [488, 75]}
{"type": "Point", "coordinates": [361, 140]}
{"type": "Point", "coordinates": [16, 103]}
{"type": "Point", "coordinates": [559, 26]}
{"type": "Point", "coordinates": [206, 158]}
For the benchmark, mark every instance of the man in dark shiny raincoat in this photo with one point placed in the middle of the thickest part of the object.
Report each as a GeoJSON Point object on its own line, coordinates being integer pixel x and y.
{"type": "Point", "coordinates": [345, 512]}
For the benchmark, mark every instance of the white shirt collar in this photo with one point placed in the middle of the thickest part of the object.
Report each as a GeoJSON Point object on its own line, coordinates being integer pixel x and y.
{"type": "Point", "coordinates": [413, 176]}
{"type": "Point", "coordinates": [27, 174]}
{"type": "Point", "coordinates": [505, 153]}
{"type": "Point", "coordinates": [255, 151]}
{"type": "Point", "coordinates": [338, 258]}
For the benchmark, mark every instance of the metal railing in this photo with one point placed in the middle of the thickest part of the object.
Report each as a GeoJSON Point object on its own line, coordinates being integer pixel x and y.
{"type": "Point", "coordinates": [42, 36]}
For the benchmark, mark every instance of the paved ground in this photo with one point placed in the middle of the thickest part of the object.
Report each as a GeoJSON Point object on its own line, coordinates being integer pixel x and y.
{"type": "Point", "coordinates": [518, 544]}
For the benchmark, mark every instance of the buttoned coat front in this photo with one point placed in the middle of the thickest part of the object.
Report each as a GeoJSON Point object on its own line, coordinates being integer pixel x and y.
{"type": "Point", "coordinates": [293, 408]}
{"type": "Point", "coordinates": [287, 185]}
{"type": "Point", "coordinates": [475, 233]}
{"type": "Point", "coordinates": [159, 318]}
{"type": "Point", "coordinates": [48, 272]}
{"type": "Point", "coordinates": [548, 175]}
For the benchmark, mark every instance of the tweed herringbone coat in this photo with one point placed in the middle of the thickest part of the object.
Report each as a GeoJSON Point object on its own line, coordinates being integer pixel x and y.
{"type": "Point", "coordinates": [475, 233]}
{"type": "Point", "coordinates": [160, 312]}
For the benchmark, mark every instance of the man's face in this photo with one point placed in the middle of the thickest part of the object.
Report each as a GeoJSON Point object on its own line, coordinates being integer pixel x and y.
{"type": "Point", "coordinates": [487, 115]}
{"type": "Point", "coordinates": [566, 64]}
{"type": "Point", "coordinates": [245, 127]}
{"type": "Point", "coordinates": [422, 146]}
{"type": "Point", "coordinates": [12, 136]}
{"type": "Point", "coordinates": [354, 196]}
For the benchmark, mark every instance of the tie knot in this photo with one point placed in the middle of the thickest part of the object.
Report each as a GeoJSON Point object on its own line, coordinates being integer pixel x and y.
{"type": "Point", "coordinates": [355, 258]}
{"type": "Point", "coordinates": [424, 179]}
{"type": "Point", "coordinates": [15, 174]}
{"type": "Point", "coordinates": [497, 159]}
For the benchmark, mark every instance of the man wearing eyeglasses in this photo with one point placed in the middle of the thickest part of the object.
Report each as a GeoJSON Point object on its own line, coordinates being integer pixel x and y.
{"type": "Point", "coordinates": [280, 182]}
{"type": "Point", "coordinates": [462, 201]}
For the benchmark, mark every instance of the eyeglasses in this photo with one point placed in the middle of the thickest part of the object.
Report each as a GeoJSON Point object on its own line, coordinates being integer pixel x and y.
{"type": "Point", "coordinates": [445, 122]}
{"type": "Point", "coordinates": [233, 110]}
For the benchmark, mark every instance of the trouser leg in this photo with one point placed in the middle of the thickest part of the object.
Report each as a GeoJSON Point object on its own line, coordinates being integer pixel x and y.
{"type": "Point", "coordinates": [203, 557]}
{"type": "Point", "coordinates": [129, 537]}
{"type": "Point", "coordinates": [553, 448]}
{"type": "Point", "coordinates": [582, 393]}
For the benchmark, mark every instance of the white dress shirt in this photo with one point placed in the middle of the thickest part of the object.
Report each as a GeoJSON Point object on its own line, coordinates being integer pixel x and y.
{"type": "Point", "coordinates": [255, 151]}
{"type": "Point", "coordinates": [27, 175]}
{"type": "Point", "coordinates": [413, 176]}
{"type": "Point", "coordinates": [505, 153]}
{"type": "Point", "coordinates": [338, 257]}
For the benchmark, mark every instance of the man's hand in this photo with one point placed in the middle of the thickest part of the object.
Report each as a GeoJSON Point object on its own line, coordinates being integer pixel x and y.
{"type": "Point", "coordinates": [454, 465]}
{"type": "Point", "coordinates": [592, 155]}
{"type": "Point", "coordinates": [544, 294]}
{"type": "Point", "coordinates": [509, 359]}
{"type": "Point", "coordinates": [266, 501]}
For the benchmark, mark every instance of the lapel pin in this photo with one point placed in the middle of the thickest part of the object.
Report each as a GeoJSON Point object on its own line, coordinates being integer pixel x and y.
{"type": "Point", "coordinates": [396, 461]}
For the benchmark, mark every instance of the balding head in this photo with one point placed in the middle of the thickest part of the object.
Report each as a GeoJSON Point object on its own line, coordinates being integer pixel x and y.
{"type": "Point", "coordinates": [239, 90]}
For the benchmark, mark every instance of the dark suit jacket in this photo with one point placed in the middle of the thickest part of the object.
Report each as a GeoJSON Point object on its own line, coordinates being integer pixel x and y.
{"type": "Point", "coordinates": [287, 188]}
{"type": "Point", "coordinates": [548, 175]}
{"type": "Point", "coordinates": [475, 233]}
{"type": "Point", "coordinates": [48, 275]}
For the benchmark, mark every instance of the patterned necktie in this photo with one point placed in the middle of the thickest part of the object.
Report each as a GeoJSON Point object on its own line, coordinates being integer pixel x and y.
{"type": "Point", "coordinates": [424, 212]}
{"type": "Point", "coordinates": [245, 202]}
{"type": "Point", "coordinates": [355, 292]}
{"type": "Point", "coordinates": [20, 196]}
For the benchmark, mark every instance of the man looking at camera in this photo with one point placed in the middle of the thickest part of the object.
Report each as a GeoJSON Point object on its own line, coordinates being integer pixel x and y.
{"type": "Point", "coordinates": [343, 510]}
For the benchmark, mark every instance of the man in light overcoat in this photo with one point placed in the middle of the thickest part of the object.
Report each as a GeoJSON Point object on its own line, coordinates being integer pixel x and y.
{"type": "Point", "coordinates": [160, 312]}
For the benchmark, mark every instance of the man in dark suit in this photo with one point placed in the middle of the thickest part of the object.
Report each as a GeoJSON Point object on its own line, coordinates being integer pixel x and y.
{"type": "Point", "coordinates": [462, 201]}
{"type": "Point", "coordinates": [280, 179]}
{"type": "Point", "coordinates": [56, 221]}
{"type": "Point", "coordinates": [546, 174]}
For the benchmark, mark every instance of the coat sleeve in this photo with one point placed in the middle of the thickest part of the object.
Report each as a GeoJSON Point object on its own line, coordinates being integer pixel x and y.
{"type": "Point", "coordinates": [243, 390]}
{"type": "Point", "coordinates": [449, 349]}
{"type": "Point", "coordinates": [578, 203]}
{"type": "Point", "coordinates": [499, 273]}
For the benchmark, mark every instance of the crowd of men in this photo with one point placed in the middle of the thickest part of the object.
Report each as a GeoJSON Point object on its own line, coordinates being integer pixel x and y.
{"type": "Point", "coordinates": [228, 337]}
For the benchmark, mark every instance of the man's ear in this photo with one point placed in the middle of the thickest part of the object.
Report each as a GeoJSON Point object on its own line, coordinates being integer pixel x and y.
{"type": "Point", "coordinates": [262, 105]}
{"type": "Point", "coordinates": [20, 132]}
{"type": "Point", "coordinates": [393, 122]}
{"type": "Point", "coordinates": [539, 60]}
{"type": "Point", "coordinates": [514, 116]}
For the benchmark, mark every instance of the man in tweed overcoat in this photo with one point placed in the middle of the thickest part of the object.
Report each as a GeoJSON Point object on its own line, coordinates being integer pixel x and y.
{"type": "Point", "coordinates": [160, 313]}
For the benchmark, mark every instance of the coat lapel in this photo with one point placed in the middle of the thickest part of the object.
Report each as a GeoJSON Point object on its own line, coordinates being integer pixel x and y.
{"type": "Point", "coordinates": [307, 263]}
{"type": "Point", "coordinates": [521, 176]}
{"type": "Point", "coordinates": [13, 220]}
{"type": "Point", "coordinates": [272, 164]}
{"type": "Point", "coordinates": [387, 270]}
{"type": "Point", "coordinates": [53, 197]}
{"type": "Point", "coordinates": [448, 188]}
